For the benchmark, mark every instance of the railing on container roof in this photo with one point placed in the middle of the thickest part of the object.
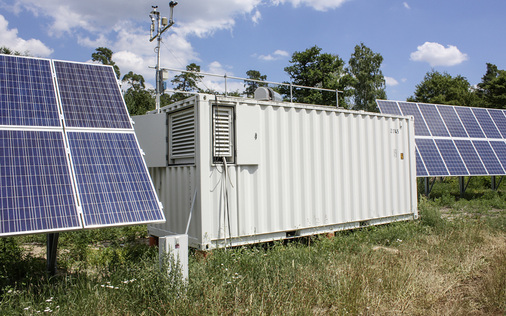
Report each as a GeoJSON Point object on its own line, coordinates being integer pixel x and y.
{"type": "Point", "coordinates": [225, 76]}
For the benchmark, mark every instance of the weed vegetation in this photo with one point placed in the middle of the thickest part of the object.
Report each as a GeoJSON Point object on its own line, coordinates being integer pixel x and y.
{"type": "Point", "coordinates": [451, 261]}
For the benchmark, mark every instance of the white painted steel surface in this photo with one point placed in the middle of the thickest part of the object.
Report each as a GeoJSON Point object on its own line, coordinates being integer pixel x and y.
{"type": "Point", "coordinates": [310, 169]}
{"type": "Point", "coordinates": [174, 248]}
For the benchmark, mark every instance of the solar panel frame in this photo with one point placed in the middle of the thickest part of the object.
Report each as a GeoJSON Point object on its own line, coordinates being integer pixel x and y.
{"type": "Point", "coordinates": [486, 123]}
{"type": "Point", "coordinates": [488, 157]}
{"type": "Point", "coordinates": [433, 120]}
{"type": "Point", "coordinates": [471, 157]}
{"type": "Point", "coordinates": [477, 134]}
{"type": "Point", "coordinates": [499, 119]}
{"type": "Point", "coordinates": [90, 96]}
{"type": "Point", "coordinates": [39, 183]}
{"type": "Point", "coordinates": [104, 163]}
{"type": "Point", "coordinates": [470, 123]}
{"type": "Point", "coordinates": [499, 148]}
{"type": "Point", "coordinates": [28, 95]}
{"type": "Point", "coordinates": [36, 193]}
{"type": "Point", "coordinates": [390, 107]}
{"type": "Point", "coordinates": [452, 121]}
{"type": "Point", "coordinates": [420, 166]}
{"type": "Point", "coordinates": [451, 157]}
{"type": "Point", "coordinates": [409, 108]}
{"type": "Point", "coordinates": [432, 159]}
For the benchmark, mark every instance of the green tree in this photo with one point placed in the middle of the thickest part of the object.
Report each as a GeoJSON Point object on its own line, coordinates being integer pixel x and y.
{"type": "Point", "coordinates": [251, 86]}
{"type": "Point", "coordinates": [365, 78]}
{"type": "Point", "coordinates": [492, 88]}
{"type": "Point", "coordinates": [137, 98]}
{"type": "Point", "coordinates": [187, 81]}
{"type": "Point", "coordinates": [442, 88]}
{"type": "Point", "coordinates": [7, 51]}
{"type": "Point", "coordinates": [312, 68]}
{"type": "Point", "coordinates": [104, 56]}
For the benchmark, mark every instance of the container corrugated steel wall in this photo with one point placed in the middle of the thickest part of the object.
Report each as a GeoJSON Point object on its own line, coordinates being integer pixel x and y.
{"type": "Point", "coordinates": [317, 169]}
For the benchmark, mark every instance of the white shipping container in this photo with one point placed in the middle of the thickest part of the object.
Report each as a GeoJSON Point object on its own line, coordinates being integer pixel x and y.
{"type": "Point", "coordinates": [234, 171]}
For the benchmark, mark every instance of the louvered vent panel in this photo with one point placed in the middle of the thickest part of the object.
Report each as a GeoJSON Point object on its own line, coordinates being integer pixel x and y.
{"type": "Point", "coordinates": [182, 139]}
{"type": "Point", "coordinates": [223, 138]}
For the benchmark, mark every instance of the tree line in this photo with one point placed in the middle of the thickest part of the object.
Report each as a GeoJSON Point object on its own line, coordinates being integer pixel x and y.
{"type": "Point", "coordinates": [360, 82]}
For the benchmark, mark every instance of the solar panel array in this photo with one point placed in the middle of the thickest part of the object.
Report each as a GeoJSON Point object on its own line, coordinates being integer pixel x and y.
{"type": "Point", "coordinates": [454, 140]}
{"type": "Point", "coordinates": [69, 158]}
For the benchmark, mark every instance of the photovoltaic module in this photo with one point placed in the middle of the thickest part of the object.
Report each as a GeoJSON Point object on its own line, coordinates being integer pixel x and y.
{"type": "Point", "coordinates": [455, 140]}
{"type": "Point", "coordinates": [69, 158]}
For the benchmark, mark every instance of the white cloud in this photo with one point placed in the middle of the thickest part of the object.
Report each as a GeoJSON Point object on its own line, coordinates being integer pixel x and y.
{"type": "Point", "coordinates": [124, 27]}
{"type": "Point", "coordinates": [10, 39]}
{"type": "Point", "coordinates": [256, 17]}
{"type": "Point", "coordinates": [282, 53]}
{"type": "Point", "coordinates": [318, 5]}
{"type": "Point", "coordinates": [278, 54]}
{"type": "Point", "coordinates": [437, 55]}
{"type": "Point", "coordinates": [100, 41]}
{"type": "Point", "coordinates": [406, 5]}
{"type": "Point", "coordinates": [192, 17]}
{"type": "Point", "coordinates": [391, 81]}
{"type": "Point", "coordinates": [218, 83]}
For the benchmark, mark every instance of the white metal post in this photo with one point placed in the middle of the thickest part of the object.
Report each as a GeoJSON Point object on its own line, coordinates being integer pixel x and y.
{"type": "Point", "coordinates": [155, 20]}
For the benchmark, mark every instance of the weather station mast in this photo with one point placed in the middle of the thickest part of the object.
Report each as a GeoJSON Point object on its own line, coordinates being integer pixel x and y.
{"type": "Point", "coordinates": [158, 26]}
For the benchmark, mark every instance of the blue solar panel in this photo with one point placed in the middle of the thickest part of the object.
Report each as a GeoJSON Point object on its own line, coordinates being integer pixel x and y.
{"type": "Point", "coordinates": [452, 121]}
{"type": "Point", "coordinates": [90, 96]}
{"type": "Point", "coordinates": [456, 132]}
{"type": "Point", "coordinates": [388, 107]}
{"type": "Point", "coordinates": [412, 109]}
{"type": "Point", "coordinates": [470, 157]}
{"type": "Point", "coordinates": [500, 150]}
{"type": "Point", "coordinates": [486, 123]}
{"type": "Point", "coordinates": [420, 168]}
{"type": "Point", "coordinates": [433, 119]}
{"type": "Point", "coordinates": [27, 93]}
{"type": "Point", "coordinates": [499, 120]}
{"type": "Point", "coordinates": [470, 124]}
{"type": "Point", "coordinates": [451, 157]}
{"type": "Point", "coordinates": [36, 190]}
{"type": "Point", "coordinates": [113, 182]}
{"type": "Point", "coordinates": [431, 157]}
{"type": "Point", "coordinates": [488, 157]}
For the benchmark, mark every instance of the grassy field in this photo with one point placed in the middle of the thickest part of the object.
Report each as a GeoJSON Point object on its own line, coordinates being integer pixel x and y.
{"type": "Point", "coordinates": [452, 261]}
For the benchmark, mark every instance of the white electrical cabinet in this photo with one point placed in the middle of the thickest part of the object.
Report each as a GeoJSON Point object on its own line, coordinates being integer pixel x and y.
{"type": "Point", "coordinates": [175, 249]}
{"type": "Point", "coordinates": [235, 171]}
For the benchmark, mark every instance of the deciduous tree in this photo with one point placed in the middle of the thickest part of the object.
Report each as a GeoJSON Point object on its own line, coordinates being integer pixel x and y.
{"type": "Point", "coordinates": [137, 98]}
{"type": "Point", "coordinates": [251, 86]}
{"type": "Point", "coordinates": [104, 56]}
{"type": "Point", "coordinates": [492, 88]}
{"type": "Point", "coordinates": [312, 68]}
{"type": "Point", "coordinates": [187, 81]}
{"type": "Point", "coordinates": [442, 88]}
{"type": "Point", "coordinates": [365, 78]}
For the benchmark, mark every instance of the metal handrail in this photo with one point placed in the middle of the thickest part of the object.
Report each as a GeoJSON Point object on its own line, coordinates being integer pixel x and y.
{"type": "Point", "coordinates": [291, 85]}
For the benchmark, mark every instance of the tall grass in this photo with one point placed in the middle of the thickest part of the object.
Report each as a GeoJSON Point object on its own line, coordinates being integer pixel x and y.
{"type": "Point", "coordinates": [450, 261]}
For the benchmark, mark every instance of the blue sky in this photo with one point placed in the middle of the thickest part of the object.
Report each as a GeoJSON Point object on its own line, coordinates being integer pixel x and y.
{"type": "Point", "coordinates": [234, 36]}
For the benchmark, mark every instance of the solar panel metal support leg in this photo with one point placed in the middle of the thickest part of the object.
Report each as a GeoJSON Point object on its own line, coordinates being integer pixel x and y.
{"type": "Point", "coordinates": [495, 184]}
{"type": "Point", "coordinates": [428, 185]}
{"type": "Point", "coordinates": [463, 185]}
{"type": "Point", "coordinates": [52, 245]}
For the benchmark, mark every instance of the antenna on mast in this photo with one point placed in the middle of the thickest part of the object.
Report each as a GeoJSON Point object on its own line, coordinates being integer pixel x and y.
{"type": "Point", "coordinates": [158, 26]}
